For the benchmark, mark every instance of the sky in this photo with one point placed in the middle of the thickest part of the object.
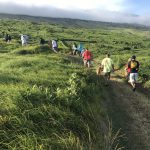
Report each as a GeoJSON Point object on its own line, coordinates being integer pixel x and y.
{"type": "Point", "coordinates": [122, 11]}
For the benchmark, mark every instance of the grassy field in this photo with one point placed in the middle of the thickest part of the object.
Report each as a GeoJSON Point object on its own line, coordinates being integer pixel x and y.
{"type": "Point", "coordinates": [50, 101]}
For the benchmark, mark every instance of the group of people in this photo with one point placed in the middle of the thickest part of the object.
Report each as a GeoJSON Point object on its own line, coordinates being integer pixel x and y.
{"type": "Point", "coordinates": [131, 70]}
{"type": "Point", "coordinates": [78, 49]}
{"type": "Point", "coordinates": [106, 66]}
{"type": "Point", "coordinates": [52, 44]}
{"type": "Point", "coordinates": [84, 53]}
{"type": "Point", "coordinates": [25, 39]}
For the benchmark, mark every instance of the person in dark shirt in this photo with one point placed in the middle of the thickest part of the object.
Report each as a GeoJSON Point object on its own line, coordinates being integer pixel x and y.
{"type": "Point", "coordinates": [42, 41]}
{"type": "Point", "coordinates": [9, 38]}
{"type": "Point", "coordinates": [6, 38]}
{"type": "Point", "coordinates": [134, 68]}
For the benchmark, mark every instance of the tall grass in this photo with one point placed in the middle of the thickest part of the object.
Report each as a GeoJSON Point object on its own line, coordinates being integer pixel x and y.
{"type": "Point", "coordinates": [49, 101]}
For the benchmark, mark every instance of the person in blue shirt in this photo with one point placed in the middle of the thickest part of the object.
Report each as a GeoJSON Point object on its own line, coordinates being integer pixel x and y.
{"type": "Point", "coordinates": [80, 48]}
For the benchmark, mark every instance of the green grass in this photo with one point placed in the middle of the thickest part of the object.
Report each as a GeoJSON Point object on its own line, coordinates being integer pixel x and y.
{"type": "Point", "coordinates": [49, 101]}
{"type": "Point", "coordinates": [43, 104]}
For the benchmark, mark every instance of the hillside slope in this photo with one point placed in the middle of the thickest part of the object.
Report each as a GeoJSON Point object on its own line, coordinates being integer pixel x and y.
{"type": "Point", "coordinates": [72, 22]}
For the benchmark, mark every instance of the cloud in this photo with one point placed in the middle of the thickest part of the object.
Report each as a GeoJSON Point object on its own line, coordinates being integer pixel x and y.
{"type": "Point", "coordinates": [120, 17]}
{"type": "Point", "coordinates": [96, 14]}
{"type": "Point", "coordinates": [114, 5]}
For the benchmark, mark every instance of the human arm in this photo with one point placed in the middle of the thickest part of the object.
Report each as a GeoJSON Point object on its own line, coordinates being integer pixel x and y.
{"type": "Point", "coordinates": [113, 68]}
{"type": "Point", "coordinates": [138, 66]}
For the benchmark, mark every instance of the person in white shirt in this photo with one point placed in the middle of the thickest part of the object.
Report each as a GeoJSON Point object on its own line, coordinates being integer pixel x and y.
{"type": "Point", "coordinates": [74, 48]}
{"type": "Point", "coordinates": [24, 39]}
{"type": "Point", "coordinates": [54, 46]}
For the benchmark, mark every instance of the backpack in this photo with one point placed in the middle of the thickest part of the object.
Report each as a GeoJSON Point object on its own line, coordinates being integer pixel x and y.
{"type": "Point", "coordinates": [133, 64]}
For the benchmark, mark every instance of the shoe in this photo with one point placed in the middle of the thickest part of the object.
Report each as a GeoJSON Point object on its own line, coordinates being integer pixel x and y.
{"type": "Point", "coordinates": [106, 84]}
{"type": "Point", "coordinates": [133, 89]}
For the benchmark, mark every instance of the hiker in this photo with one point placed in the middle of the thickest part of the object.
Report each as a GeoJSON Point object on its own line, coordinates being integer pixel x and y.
{"type": "Point", "coordinates": [74, 48]}
{"type": "Point", "coordinates": [80, 49]}
{"type": "Point", "coordinates": [127, 70]}
{"type": "Point", "coordinates": [107, 66]}
{"type": "Point", "coordinates": [54, 46]}
{"type": "Point", "coordinates": [24, 39]}
{"type": "Point", "coordinates": [87, 56]}
{"type": "Point", "coordinates": [6, 38]}
{"type": "Point", "coordinates": [9, 39]}
{"type": "Point", "coordinates": [42, 41]}
{"type": "Point", "coordinates": [83, 50]}
{"type": "Point", "coordinates": [134, 68]}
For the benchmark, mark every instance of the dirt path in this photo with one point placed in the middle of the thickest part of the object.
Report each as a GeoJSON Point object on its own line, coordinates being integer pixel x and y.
{"type": "Point", "coordinates": [130, 111]}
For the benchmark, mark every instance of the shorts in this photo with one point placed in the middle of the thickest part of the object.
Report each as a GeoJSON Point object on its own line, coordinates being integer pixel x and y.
{"type": "Point", "coordinates": [133, 77]}
{"type": "Point", "coordinates": [106, 73]}
{"type": "Point", "coordinates": [87, 61]}
{"type": "Point", "coordinates": [55, 48]}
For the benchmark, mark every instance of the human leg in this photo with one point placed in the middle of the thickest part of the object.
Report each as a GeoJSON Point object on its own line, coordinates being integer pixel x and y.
{"type": "Point", "coordinates": [133, 79]}
{"type": "Point", "coordinates": [85, 62]}
{"type": "Point", "coordinates": [106, 77]}
{"type": "Point", "coordinates": [88, 63]}
{"type": "Point", "coordinates": [55, 49]}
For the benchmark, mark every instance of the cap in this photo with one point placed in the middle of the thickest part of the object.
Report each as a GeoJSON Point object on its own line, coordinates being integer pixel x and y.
{"type": "Point", "coordinates": [133, 57]}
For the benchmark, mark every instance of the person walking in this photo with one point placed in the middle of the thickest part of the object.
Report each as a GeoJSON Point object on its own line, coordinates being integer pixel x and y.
{"type": "Point", "coordinates": [107, 67]}
{"type": "Point", "coordinates": [87, 56]}
{"type": "Point", "coordinates": [24, 39]}
{"type": "Point", "coordinates": [42, 41]}
{"type": "Point", "coordinates": [80, 48]}
{"type": "Point", "coordinates": [134, 68]}
{"type": "Point", "coordinates": [6, 38]}
{"type": "Point", "coordinates": [54, 46]}
{"type": "Point", "coordinates": [9, 39]}
{"type": "Point", "coordinates": [74, 49]}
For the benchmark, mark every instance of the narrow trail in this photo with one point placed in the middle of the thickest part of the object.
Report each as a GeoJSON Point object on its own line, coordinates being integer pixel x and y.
{"type": "Point", "coordinates": [131, 113]}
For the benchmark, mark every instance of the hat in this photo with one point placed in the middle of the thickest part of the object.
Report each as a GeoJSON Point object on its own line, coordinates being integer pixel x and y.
{"type": "Point", "coordinates": [133, 57]}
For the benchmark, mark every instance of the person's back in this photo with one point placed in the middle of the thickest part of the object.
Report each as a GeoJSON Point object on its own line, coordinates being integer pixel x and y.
{"type": "Point", "coordinates": [42, 41]}
{"type": "Point", "coordinates": [80, 47]}
{"type": "Point", "coordinates": [9, 38]}
{"type": "Point", "coordinates": [107, 64]}
{"type": "Point", "coordinates": [6, 37]}
{"type": "Point", "coordinates": [134, 68]}
{"type": "Point", "coordinates": [23, 39]}
{"type": "Point", "coordinates": [54, 43]}
{"type": "Point", "coordinates": [54, 46]}
{"type": "Point", "coordinates": [87, 55]}
{"type": "Point", "coordinates": [74, 48]}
